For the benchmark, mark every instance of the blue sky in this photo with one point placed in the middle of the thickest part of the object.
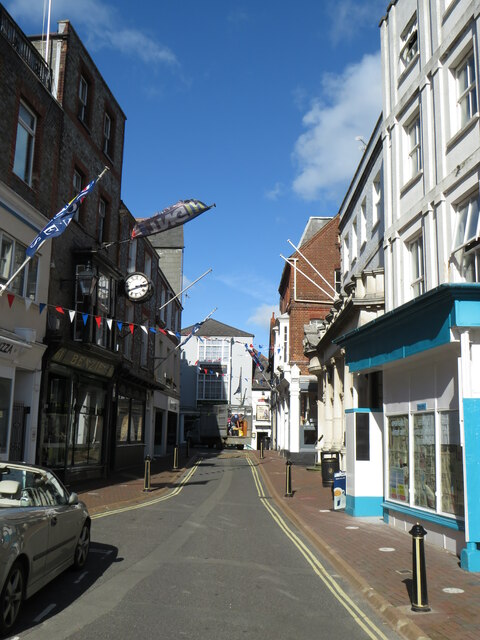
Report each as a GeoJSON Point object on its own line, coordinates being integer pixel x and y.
{"type": "Point", "coordinates": [253, 105]}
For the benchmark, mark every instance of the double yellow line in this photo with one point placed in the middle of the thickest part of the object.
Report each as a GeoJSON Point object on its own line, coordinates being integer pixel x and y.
{"type": "Point", "coordinates": [332, 585]}
{"type": "Point", "coordinates": [147, 503]}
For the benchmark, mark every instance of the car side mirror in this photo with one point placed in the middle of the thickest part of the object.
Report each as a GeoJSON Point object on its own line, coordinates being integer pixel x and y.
{"type": "Point", "coordinates": [73, 499]}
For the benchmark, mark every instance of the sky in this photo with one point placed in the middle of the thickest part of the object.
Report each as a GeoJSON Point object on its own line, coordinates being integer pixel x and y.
{"type": "Point", "coordinates": [254, 105]}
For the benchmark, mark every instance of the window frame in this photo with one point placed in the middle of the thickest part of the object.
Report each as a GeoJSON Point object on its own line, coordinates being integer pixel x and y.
{"type": "Point", "coordinates": [83, 91]}
{"type": "Point", "coordinates": [468, 93]}
{"type": "Point", "coordinates": [415, 155]}
{"type": "Point", "coordinates": [409, 44]}
{"type": "Point", "coordinates": [417, 265]}
{"type": "Point", "coordinates": [25, 173]}
{"type": "Point", "coordinates": [22, 284]}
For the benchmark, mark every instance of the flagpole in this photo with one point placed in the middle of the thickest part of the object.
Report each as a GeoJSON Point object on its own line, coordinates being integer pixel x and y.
{"type": "Point", "coordinates": [183, 290]}
{"type": "Point", "coordinates": [316, 270]}
{"type": "Point", "coordinates": [180, 344]}
{"type": "Point", "coordinates": [305, 276]}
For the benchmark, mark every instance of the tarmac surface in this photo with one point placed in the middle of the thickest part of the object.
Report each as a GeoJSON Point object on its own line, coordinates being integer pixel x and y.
{"type": "Point", "coordinates": [375, 558]}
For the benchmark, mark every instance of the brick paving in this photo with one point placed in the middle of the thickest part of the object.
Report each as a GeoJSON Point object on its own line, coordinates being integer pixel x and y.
{"type": "Point", "coordinates": [382, 576]}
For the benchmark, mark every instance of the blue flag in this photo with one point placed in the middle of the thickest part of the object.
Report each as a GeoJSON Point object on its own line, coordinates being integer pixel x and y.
{"type": "Point", "coordinates": [57, 225]}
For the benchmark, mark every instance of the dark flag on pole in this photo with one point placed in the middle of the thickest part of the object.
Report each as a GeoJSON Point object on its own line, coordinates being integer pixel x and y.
{"type": "Point", "coordinates": [60, 221]}
{"type": "Point", "coordinates": [177, 214]}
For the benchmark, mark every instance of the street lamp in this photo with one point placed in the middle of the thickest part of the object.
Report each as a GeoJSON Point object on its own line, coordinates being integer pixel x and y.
{"type": "Point", "coordinates": [86, 278]}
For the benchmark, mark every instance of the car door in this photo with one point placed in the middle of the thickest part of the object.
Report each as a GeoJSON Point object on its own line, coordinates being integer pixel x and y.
{"type": "Point", "coordinates": [65, 522]}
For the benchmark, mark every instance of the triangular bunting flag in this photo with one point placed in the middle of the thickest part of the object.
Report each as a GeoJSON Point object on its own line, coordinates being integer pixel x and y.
{"type": "Point", "coordinates": [60, 310]}
{"type": "Point", "coordinates": [11, 298]}
{"type": "Point", "coordinates": [28, 303]}
{"type": "Point", "coordinates": [109, 323]}
{"type": "Point", "coordinates": [144, 329]}
{"type": "Point", "coordinates": [84, 318]}
{"type": "Point", "coordinates": [119, 325]}
{"type": "Point", "coordinates": [98, 320]}
{"type": "Point", "coordinates": [72, 315]}
{"type": "Point", "coordinates": [131, 325]}
{"type": "Point", "coordinates": [41, 307]}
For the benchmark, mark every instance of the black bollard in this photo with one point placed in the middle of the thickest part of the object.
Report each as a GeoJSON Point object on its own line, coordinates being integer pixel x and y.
{"type": "Point", "coordinates": [261, 450]}
{"type": "Point", "coordinates": [175, 457]}
{"type": "Point", "coordinates": [419, 590]}
{"type": "Point", "coordinates": [288, 478]}
{"type": "Point", "coordinates": [146, 481]}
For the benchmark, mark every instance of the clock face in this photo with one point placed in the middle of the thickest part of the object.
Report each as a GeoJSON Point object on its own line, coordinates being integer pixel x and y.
{"type": "Point", "coordinates": [138, 287]}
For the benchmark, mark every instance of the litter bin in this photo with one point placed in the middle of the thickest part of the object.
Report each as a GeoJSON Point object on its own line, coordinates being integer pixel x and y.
{"type": "Point", "coordinates": [330, 464]}
{"type": "Point", "coordinates": [339, 490]}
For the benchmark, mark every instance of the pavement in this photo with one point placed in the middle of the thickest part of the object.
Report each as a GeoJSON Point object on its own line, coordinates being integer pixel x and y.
{"type": "Point", "coordinates": [375, 558]}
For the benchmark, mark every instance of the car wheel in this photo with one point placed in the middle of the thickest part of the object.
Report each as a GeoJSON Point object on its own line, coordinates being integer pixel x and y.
{"type": "Point", "coordinates": [12, 596]}
{"type": "Point", "coordinates": [81, 550]}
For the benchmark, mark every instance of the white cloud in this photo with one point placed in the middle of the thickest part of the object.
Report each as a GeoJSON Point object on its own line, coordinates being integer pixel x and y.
{"type": "Point", "coordinates": [348, 15]}
{"type": "Point", "coordinates": [327, 153]}
{"type": "Point", "coordinates": [275, 193]}
{"type": "Point", "coordinates": [261, 316]}
{"type": "Point", "coordinates": [103, 27]}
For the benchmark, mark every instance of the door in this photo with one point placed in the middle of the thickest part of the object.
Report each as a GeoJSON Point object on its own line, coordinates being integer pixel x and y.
{"type": "Point", "coordinates": [17, 433]}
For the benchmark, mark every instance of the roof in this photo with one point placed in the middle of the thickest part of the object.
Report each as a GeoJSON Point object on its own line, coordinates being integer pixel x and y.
{"type": "Point", "coordinates": [213, 328]}
{"type": "Point", "coordinates": [313, 226]}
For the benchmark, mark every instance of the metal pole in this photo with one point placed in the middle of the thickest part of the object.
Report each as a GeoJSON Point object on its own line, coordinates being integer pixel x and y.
{"type": "Point", "coordinates": [175, 457]}
{"type": "Point", "coordinates": [288, 479]}
{"type": "Point", "coordinates": [146, 482]}
{"type": "Point", "coordinates": [419, 591]}
{"type": "Point", "coordinates": [261, 449]}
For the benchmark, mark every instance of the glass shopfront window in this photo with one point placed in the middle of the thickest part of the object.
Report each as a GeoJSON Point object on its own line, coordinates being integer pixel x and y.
{"type": "Point", "coordinates": [451, 461]}
{"type": "Point", "coordinates": [398, 457]}
{"type": "Point", "coordinates": [5, 390]}
{"type": "Point", "coordinates": [436, 453]}
{"type": "Point", "coordinates": [424, 460]}
{"type": "Point", "coordinates": [130, 420]}
{"type": "Point", "coordinates": [73, 427]}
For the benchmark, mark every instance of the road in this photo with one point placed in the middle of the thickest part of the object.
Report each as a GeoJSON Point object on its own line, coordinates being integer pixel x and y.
{"type": "Point", "coordinates": [214, 558]}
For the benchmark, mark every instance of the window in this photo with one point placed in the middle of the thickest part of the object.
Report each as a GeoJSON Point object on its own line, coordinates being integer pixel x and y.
{"type": "Point", "coordinates": [451, 463]}
{"type": "Point", "coordinates": [416, 265]}
{"type": "Point", "coordinates": [354, 241]}
{"type": "Point", "coordinates": [377, 197]}
{"type": "Point", "coordinates": [285, 344]}
{"type": "Point", "coordinates": [214, 350]}
{"type": "Point", "coordinates": [346, 254]}
{"type": "Point", "coordinates": [104, 309]}
{"type": "Point", "coordinates": [83, 100]}
{"type": "Point", "coordinates": [102, 212]}
{"type": "Point", "coordinates": [467, 223]}
{"type": "Point", "coordinates": [466, 90]}
{"type": "Point", "coordinates": [398, 458]}
{"type": "Point", "coordinates": [108, 135]}
{"type": "Point", "coordinates": [424, 460]}
{"type": "Point", "coordinates": [363, 223]}
{"type": "Point", "coordinates": [414, 148]}
{"type": "Point", "coordinates": [409, 44]}
{"type": "Point", "coordinates": [338, 280]}
{"type": "Point", "coordinates": [132, 256]}
{"type": "Point", "coordinates": [211, 383]}
{"type": "Point", "coordinates": [130, 420]}
{"type": "Point", "coordinates": [78, 183]}
{"type": "Point", "coordinates": [12, 256]}
{"type": "Point", "coordinates": [25, 144]}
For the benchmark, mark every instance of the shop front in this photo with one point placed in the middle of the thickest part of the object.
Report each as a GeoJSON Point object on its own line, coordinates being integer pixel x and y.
{"type": "Point", "coordinates": [77, 395]}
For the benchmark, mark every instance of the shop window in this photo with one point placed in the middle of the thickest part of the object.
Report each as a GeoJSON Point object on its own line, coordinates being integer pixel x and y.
{"type": "Point", "coordinates": [451, 461]}
{"type": "Point", "coordinates": [424, 460]}
{"type": "Point", "coordinates": [398, 453]}
{"type": "Point", "coordinates": [130, 420]}
{"type": "Point", "coordinates": [55, 422]}
{"type": "Point", "coordinates": [85, 446]}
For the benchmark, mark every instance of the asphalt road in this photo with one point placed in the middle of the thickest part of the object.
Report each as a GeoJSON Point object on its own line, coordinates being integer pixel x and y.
{"type": "Point", "coordinates": [215, 559]}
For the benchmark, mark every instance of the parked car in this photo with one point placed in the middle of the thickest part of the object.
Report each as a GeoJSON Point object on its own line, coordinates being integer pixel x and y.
{"type": "Point", "coordinates": [43, 530]}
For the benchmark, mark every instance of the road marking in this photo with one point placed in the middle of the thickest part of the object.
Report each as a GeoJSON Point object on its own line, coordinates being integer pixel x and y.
{"type": "Point", "coordinates": [45, 613]}
{"type": "Point", "coordinates": [81, 577]}
{"type": "Point", "coordinates": [343, 598]}
{"type": "Point", "coordinates": [147, 503]}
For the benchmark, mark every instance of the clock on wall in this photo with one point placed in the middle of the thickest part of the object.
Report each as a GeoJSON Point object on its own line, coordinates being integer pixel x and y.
{"type": "Point", "coordinates": [138, 287]}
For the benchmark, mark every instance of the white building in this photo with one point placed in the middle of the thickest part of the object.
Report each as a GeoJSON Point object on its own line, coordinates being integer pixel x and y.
{"type": "Point", "coordinates": [428, 342]}
{"type": "Point", "coordinates": [22, 326]}
{"type": "Point", "coordinates": [216, 371]}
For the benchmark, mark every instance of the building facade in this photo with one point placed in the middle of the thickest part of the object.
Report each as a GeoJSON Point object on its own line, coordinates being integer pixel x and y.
{"type": "Point", "coordinates": [307, 290]}
{"type": "Point", "coordinates": [426, 345]}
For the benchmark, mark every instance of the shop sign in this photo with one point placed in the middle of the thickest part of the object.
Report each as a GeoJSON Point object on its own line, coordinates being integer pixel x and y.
{"type": "Point", "coordinates": [85, 363]}
{"type": "Point", "coordinates": [6, 347]}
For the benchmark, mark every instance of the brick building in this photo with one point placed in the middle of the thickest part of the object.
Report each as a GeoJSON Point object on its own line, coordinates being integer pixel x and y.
{"type": "Point", "coordinates": [307, 291]}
